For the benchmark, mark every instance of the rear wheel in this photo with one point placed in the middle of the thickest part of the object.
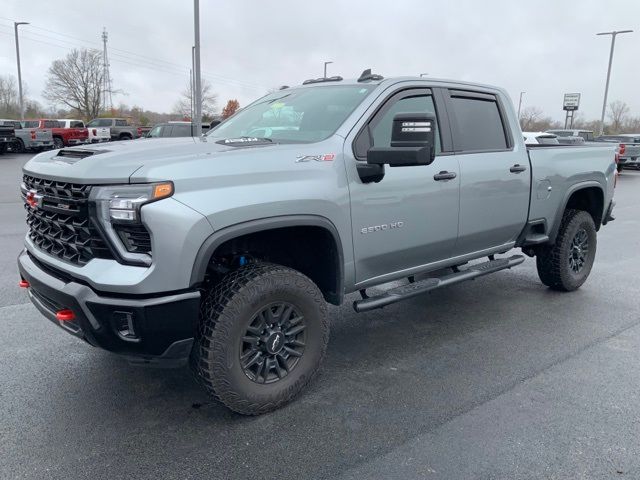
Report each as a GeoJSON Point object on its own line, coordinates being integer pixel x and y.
{"type": "Point", "coordinates": [566, 264]}
{"type": "Point", "coordinates": [18, 146]}
{"type": "Point", "coordinates": [124, 137]}
{"type": "Point", "coordinates": [263, 333]}
{"type": "Point", "coordinates": [619, 167]}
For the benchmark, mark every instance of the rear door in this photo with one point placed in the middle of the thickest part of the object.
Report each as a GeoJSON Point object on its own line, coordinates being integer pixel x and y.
{"type": "Point", "coordinates": [409, 218]}
{"type": "Point", "coordinates": [494, 172]}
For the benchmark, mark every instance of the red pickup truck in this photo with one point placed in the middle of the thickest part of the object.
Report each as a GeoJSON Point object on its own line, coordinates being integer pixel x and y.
{"type": "Point", "coordinates": [63, 136]}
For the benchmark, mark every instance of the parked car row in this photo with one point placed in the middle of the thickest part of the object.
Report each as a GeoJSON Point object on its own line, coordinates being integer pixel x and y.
{"type": "Point", "coordinates": [627, 150]}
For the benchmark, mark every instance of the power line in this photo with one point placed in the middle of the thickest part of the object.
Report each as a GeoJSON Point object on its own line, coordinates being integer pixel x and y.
{"type": "Point", "coordinates": [151, 61]}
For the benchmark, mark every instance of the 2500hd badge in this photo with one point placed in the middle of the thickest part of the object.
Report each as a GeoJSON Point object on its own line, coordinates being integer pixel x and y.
{"type": "Point", "coordinates": [380, 228]}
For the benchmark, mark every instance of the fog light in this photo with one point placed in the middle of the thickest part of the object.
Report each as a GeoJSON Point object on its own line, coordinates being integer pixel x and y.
{"type": "Point", "coordinates": [124, 326]}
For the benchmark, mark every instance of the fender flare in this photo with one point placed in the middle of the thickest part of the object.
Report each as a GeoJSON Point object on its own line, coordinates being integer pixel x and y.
{"type": "Point", "coordinates": [225, 234]}
{"type": "Point", "coordinates": [563, 206]}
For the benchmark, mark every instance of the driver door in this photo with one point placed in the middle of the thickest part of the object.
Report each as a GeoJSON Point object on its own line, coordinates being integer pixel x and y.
{"type": "Point", "coordinates": [410, 217]}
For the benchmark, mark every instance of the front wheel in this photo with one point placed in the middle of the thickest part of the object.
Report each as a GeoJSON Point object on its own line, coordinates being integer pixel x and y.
{"type": "Point", "coordinates": [57, 143]}
{"type": "Point", "coordinates": [619, 168]}
{"type": "Point", "coordinates": [566, 264]}
{"type": "Point", "coordinates": [262, 336]}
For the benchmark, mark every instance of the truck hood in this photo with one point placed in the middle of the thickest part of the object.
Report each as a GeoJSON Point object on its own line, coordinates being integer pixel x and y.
{"type": "Point", "coordinates": [116, 162]}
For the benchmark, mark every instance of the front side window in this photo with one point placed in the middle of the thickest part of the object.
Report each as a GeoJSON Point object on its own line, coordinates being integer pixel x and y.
{"type": "Point", "coordinates": [381, 127]}
{"type": "Point", "coordinates": [155, 132]}
{"type": "Point", "coordinates": [301, 115]}
{"type": "Point", "coordinates": [53, 124]}
{"type": "Point", "coordinates": [121, 123]}
{"type": "Point", "coordinates": [479, 124]}
{"type": "Point", "coordinates": [77, 124]}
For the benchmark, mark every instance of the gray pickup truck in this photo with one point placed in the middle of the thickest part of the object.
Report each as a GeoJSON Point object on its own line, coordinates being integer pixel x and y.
{"type": "Point", "coordinates": [28, 138]}
{"type": "Point", "coordinates": [225, 249]}
{"type": "Point", "coordinates": [119, 127]}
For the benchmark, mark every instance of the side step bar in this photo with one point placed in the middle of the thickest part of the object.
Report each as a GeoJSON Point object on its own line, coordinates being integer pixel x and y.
{"type": "Point", "coordinates": [413, 289]}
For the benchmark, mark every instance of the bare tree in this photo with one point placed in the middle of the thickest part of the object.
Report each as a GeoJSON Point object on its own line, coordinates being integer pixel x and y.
{"type": "Point", "coordinates": [183, 106]}
{"type": "Point", "coordinates": [9, 105]}
{"type": "Point", "coordinates": [528, 117]}
{"type": "Point", "coordinates": [76, 82]}
{"type": "Point", "coordinates": [617, 114]}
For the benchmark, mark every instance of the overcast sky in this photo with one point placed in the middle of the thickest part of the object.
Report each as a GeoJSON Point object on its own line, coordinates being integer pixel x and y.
{"type": "Point", "coordinates": [545, 48]}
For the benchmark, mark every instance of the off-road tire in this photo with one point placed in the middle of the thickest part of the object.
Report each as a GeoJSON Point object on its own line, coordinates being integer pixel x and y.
{"type": "Point", "coordinates": [553, 261]}
{"type": "Point", "coordinates": [228, 308]}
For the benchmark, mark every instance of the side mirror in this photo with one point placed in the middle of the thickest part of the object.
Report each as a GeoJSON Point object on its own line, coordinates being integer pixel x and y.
{"type": "Point", "coordinates": [412, 142]}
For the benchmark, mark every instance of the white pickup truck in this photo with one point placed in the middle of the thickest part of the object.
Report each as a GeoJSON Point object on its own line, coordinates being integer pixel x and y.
{"type": "Point", "coordinates": [97, 133]}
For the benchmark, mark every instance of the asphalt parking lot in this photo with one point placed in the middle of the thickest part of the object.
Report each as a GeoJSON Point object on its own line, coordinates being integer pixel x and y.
{"type": "Point", "coordinates": [499, 378]}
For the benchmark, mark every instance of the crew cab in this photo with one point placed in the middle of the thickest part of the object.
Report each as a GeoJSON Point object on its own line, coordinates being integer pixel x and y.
{"type": "Point", "coordinates": [63, 136]}
{"type": "Point", "coordinates": [119, 128]}
{"type": "Point", "coordinates": [224, 250]}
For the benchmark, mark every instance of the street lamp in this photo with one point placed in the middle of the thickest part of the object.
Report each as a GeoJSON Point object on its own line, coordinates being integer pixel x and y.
{"type": "Point", "coordinates": [15, 27]}
{"type": "Point", "coordinates": [197, 106]}
{"type": "Point", "coordinates": [520, 104]}
{"type": "Point", "coordinates": [325, 69]}
{"type": "Point", "coordinates": [606, 88]}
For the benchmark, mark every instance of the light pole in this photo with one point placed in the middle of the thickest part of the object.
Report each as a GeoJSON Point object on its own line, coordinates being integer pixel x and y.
{"type": "Point", "coordinates": [520, 105]}
{"type": "Point", "coordinates": [325, 69]}
{"type": "Point", "coordinates": [198, 83]}
{"type": "Point", "coordinates": [15, 27]}
{"type": "Point", "coordinates": [606, 88]}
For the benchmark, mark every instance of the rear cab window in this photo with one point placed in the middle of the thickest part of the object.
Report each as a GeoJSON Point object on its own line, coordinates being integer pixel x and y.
{"type": "Point", "coordinates": [478, 122]}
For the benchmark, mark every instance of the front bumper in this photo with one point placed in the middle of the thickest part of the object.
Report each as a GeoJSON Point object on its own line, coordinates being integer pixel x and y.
{"type": "Point", "coordinates": [149, 329]}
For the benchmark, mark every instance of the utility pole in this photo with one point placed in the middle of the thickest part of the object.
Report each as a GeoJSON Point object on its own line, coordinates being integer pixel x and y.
{"type": "Point", "coordinates": [198, 82]}
{"type": "Point", "coordinates": [325, 69]}
{"type": "Point", "coordinates": [606, 88]}
{"type": "Point", "coordinates": [107, 99]}
{"type": "Point", "coordinates": [15, 27]}
{"type": "Point", "coordinates": [520, 105]}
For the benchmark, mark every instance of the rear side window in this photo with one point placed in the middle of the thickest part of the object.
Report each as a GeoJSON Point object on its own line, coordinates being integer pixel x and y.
{"type": "Point", "coordinates": [588, 136]}
{"type": "Point", "coordinates": [77, 124]}
{"type": "Point", "coordinates": [479, 124]}
{"type": "Point", "coordinates": [121, 123]}
{"type": "Point", "coordinates": [31, 124]}
{"type": "Point", "coordinates": [181, 131]}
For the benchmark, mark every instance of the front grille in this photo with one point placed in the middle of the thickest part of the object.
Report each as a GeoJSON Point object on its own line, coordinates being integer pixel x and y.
{"type": "Point", "coordinates": [59, 225]}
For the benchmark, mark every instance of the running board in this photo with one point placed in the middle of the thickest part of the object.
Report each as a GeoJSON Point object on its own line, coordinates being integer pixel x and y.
{"type": "Point", "coordinates": [413, 289]}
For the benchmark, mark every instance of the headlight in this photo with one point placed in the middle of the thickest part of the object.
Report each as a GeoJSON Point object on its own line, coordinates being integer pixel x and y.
{"type": "Point", "coordinates": [118, 212]}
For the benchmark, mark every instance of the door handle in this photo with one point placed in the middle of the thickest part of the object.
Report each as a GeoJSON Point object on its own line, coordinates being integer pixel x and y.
{"type": "Point", "coordinates": [517, 168]}
{"type": "Point", "coordinates": [444, 176]}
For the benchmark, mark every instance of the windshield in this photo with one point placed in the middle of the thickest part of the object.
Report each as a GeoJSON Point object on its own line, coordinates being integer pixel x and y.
{"type": "Point", "coordinates": [303, 115]}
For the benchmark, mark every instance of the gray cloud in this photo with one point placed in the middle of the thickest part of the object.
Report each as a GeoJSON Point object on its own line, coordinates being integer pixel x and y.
{"type": "Point", "coordinates": [545, 48]}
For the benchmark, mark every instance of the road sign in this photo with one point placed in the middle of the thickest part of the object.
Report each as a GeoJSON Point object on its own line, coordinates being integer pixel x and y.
{"type": "Point", "coordinates": [571, 101]}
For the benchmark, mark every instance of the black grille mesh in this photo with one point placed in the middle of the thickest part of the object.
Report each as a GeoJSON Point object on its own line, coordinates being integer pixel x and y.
{"type": "Point", "coordinates": [61, 225]}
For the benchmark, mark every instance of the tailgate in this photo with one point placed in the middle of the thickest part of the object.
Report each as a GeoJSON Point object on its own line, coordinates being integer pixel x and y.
{"type": "Point", "coordinates": [631, 150]}
{"type": "Point", "coordinates": [42, 135]}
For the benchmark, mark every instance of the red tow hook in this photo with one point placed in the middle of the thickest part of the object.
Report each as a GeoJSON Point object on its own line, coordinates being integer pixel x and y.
{"type": "Point", "coordinates": [24, 284]}
{"type": "Point", "coordinates": [65, 315]}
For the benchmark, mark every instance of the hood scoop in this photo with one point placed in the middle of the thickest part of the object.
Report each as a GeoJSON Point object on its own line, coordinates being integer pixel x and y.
{"type": "Point", "coordinates": [72, 155]}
